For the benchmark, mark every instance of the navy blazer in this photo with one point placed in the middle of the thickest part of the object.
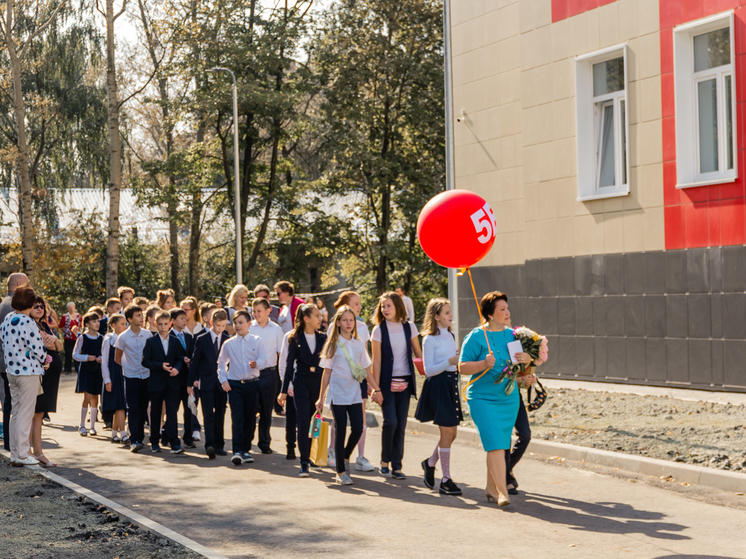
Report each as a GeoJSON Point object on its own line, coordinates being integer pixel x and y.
{"type": "Point", "coordinates": [189, 342]}
{"type": "Point", "coordinates": [204, 365]}
{"type": "Point", "coordinates": [300, 360]}
{"type": "Point", "coordinates": [153, 359]}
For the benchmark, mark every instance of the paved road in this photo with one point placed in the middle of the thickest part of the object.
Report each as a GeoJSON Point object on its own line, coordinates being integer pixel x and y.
{"type": "Point", "coordinates": [265, 510]}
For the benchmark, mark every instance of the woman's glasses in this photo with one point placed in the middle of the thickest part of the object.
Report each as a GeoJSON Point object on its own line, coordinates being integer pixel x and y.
{"type": "Point", "coordinates": [38, 307]}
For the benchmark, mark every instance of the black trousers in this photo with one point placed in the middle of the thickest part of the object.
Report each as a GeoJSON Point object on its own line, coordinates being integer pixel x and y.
{"type": "Point", "coordinates": [136, 391]}
{"type": "Point", "coordinates": [291, 425]}
{"type": "Point", "coordinates": [69, 345]}
{"type": "Point", "coordinates": [7, 407]}
{"type": "Point", "coordinates": [523, 430]}
{"type": "Point", "coordinates": [244, 400]}
{"type": "Point", "coordinates": [171, 397]}
{"type": "Point", "coordinates": [267, 399]}
{"type": "Point", "coordinates": [213, 416]}
{"type": "Point", "coordinates": [395, 409]}
{"type": "Point", "coordinates": [306, 390]}
{"type": "Point", "coordinates": [343, 451]}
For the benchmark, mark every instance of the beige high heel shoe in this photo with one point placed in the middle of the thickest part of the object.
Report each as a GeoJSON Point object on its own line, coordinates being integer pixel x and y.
{"type": "Point", "coordinates": [501, 500]}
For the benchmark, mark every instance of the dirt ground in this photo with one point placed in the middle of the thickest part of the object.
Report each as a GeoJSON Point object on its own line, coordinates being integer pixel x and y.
{"type": "Point", "coordinates": [40, 519]}
{"type": "Point", "coordinates": [701, 433]}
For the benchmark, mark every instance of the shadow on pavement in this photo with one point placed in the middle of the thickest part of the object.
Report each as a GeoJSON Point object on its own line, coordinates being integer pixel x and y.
{"type": "Point", "coordinates": [604, 517]}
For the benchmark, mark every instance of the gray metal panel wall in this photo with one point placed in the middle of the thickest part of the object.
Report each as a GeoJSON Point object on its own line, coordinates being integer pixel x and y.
{"type": "Point", "coordinates": [667, 318]}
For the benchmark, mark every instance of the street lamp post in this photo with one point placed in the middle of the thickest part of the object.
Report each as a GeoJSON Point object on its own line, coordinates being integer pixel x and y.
{"type": "Point", "coordinates": [236, 183]}
{"type": "Point", "coordinates": [450, 169]}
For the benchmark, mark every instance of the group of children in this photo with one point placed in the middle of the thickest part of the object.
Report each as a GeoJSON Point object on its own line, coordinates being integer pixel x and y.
{"type": "Point", "coordinates": [254, 358]}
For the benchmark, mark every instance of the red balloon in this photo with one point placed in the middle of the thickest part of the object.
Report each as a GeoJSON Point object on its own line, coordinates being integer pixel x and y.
{"type": "Point", "coordinates": [456, 228]}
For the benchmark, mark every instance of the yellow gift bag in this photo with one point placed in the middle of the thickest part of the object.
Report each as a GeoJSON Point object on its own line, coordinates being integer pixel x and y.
{"type": "Point", "coordinates": [320, 444]}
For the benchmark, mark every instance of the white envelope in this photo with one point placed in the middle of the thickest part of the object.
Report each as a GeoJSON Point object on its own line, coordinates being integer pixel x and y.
{"type": "Point", "coordinates": [513, 348]}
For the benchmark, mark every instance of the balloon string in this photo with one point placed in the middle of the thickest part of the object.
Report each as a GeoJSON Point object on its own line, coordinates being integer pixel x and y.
{"type": "Point", "coordinates": [484, 330]}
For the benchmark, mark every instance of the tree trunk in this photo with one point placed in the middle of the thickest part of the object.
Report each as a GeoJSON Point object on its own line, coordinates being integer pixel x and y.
{"type": "Point", "coordinates": [19, 108]}
{"type": "Point", "coordinates": [115, 156]}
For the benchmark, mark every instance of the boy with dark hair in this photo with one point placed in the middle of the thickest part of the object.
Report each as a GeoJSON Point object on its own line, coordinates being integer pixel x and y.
{"type": "Point", "coordinates": [186, 340]}
{"type": "Point", "coordinates": [203, 377]}
{"type": "Point", "coordinates": [163, 355]}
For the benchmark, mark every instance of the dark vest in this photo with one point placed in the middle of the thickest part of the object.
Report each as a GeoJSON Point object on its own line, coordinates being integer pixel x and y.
{"type": "Point", "coordinates": [91, 347]}
{"type": "Point", "coordinates": [387, 358]}
{"type": "Point", "coordinates": [115, 369]}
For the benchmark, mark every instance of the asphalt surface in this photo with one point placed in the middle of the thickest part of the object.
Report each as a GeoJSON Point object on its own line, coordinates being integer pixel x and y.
{"type": "Point", "coordinates": [264, 509]}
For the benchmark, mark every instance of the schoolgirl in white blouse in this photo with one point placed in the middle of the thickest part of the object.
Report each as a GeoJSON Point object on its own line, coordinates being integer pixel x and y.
{"type": "Point", "coordinates": [439, 401]}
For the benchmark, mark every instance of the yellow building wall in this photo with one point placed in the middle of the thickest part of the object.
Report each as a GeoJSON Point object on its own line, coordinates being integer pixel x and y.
{"type": "Point", "coordinates": [514, 135]}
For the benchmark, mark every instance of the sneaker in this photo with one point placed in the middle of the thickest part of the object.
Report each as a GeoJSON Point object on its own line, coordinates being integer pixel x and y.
{"type": "Point", "coordinates": [362, 465]}
{"type": "Point", "coordinates": [247, 458]}
{"type": "Point", "coordinates": [177, 449]}
{"type": "Point", "coordinates": [28, 461]}
{"type": "Point", "coordinates": [398, 475]}
{"type": "Point", "coordinates": [291, 454]}
{"type": "Point", "coordinates": [236, 459]}
{"type": "Point", "coordinates": [344, 479]}
{"type": "Point", "coordinates": [155, 448]}
{"type": "Point", "coordinates": [92, 432]}
{"type": "Point", "coordinates": [83, 431]}
{"type": "Point", "coordinates": [331, 458]}
{"type": "Point", "coordinates": [189, 444]}
{"type": "Point", "coordinates": [385, 471]}
{"type": "Point", "coordinates": [429, 473]}
{"type": "Point", "coordinates": [137, 447]}
{"type": "Point", "coordinates": [196, 436]}
{"type": "Point", "coordinates": [210, 452]}
{"type": "Point", "coordinates": [304, 471]}
{"type": "Point", "coordinates": [447, 487]}
{"type": "Point", "coordinates": [45, 418]}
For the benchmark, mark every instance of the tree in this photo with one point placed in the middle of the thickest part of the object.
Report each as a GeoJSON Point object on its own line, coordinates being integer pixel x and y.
{"type": "Point", "coordinates": [18, 30]}
{"type": "Point", "coordinates": [381, 68]}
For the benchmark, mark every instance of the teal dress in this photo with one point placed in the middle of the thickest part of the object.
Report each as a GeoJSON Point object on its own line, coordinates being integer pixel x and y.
{"type": "Point", "coordinates": [494, 413]}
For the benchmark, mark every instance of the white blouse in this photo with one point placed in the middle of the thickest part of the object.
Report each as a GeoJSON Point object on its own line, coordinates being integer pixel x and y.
{"type": "Point", "coordinates": [109, 340]}
{"type": "Point", "coordinates": [344, 390]}
{"type": "Point", "coordinates": [437, 350]}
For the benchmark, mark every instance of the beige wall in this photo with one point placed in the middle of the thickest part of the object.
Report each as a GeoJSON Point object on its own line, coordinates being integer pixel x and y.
{"type": "Point", "coordinates": [514, 76]}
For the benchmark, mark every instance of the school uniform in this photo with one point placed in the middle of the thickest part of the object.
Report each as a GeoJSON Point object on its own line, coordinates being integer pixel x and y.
{"type": "Point", "coordinates": [303, 362]}
{"type": "Point", "coordinates": [271, 338]}
{"type": "Point", "coordinates": [136, 376]}
{"type": "Point", "coordinates": [233, 367]}
{"type": "Point", "coordinates": [291, 426]}
{"type": "Point", "coordinates": [439, 401]}
{"type": "Point", "coordinates": [191, 423]}
{"type": "Point", "coordinates": [112, 373]}
{"type": "Point", "coordinates": [89, 372]}
{"type": "Point", "coordinates": [204, 368]}
{"type": "Point", "coordinates": [162, 387]}
{"type": "Point", "coordinates": [396, 363]}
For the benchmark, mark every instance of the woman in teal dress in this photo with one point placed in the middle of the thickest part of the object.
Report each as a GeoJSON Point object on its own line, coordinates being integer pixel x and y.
{"type": "Point", "coordinates": [494, 412]}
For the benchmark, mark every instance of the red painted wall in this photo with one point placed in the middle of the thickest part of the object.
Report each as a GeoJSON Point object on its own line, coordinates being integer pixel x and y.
{"type": "Point", "coordinates": [706, 215]}
{"type": "Point", "coordinates": [562, 9]}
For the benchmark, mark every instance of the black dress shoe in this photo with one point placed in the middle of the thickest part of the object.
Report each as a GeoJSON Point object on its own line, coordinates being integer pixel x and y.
{"type": "Point", "coordinates": [429, 473]}
{"type": "Point", "coordinates": [291, 454]}
{"type": "Point", "coordinates": [221, 452]}
{"type": "Point", "coordinates": [447, 487]}
{"type": "Point", "coordinates": [512, 490]}
{"type": "Point", "coordinates": [210, 452]}
{"type": "Point", "coordinates": [266, 451]}
{"type": "Point", "coordinates": [136, 447]}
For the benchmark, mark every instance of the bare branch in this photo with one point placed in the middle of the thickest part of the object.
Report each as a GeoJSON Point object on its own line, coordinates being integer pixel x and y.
{"type": "Point", "coordinates": [121, 11]}
{"type": "Point", "coordinates": [41, 28]}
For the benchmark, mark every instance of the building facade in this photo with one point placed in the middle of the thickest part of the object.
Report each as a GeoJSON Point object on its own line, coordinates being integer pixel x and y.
{"type": "Point", "coordinates": [608, 137]}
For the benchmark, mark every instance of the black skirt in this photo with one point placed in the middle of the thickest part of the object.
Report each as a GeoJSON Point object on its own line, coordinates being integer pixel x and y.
{"type": "Point", "coordinates": [50, 383]}
{"type": "Point", "coordinates": [114, 400]}
{"type": "Point", "coordinates": [439, 401]}
{"type": "Point", "coordinates": [90, 380]}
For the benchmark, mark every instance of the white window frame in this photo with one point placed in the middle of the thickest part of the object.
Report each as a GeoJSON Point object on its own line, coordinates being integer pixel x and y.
{"type": "Point", "coordinates": [686, 82]}
{"type": "Point", "coordinates": [589, 126]}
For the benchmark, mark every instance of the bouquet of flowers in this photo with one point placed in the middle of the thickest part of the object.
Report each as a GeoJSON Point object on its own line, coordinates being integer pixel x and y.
{"type": "Point", "coordinates": [536, 346]}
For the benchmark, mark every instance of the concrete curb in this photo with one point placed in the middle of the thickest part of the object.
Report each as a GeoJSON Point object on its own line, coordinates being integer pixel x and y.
{"type": "Point", "coordinates": [135, 517]}
{"type": "Point", "coordinates": [696, 475]}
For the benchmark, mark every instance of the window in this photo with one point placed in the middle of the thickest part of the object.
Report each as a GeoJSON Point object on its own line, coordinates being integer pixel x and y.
{"type": "Point", "coordinates": [704, 78]}
{"type": "Point", "coordinates": [601, 96]}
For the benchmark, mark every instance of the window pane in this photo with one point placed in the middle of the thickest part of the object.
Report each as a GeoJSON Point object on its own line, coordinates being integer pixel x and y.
{"type": "Point", "coordinates": [606, 160]}
{"type": "Point", "coordinates": [728, 124]}
{"type": "Point", "coordinates": [712, 49]}
{"type": "Point", "coordinates": [708, 126]}
{"type": "Point", "coordinates": [623, 124]}
{"type": "Point", "coordinates": [608, 76]}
